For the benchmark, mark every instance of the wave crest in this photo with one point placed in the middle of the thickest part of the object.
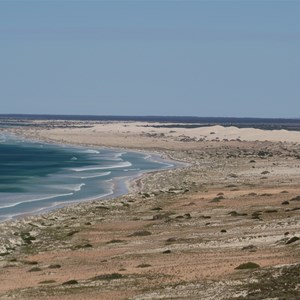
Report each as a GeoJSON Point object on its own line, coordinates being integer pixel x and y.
{"type": "Point", "coordinates": [120, 165]}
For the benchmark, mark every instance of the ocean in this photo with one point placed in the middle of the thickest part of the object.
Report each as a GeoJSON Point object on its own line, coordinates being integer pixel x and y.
{"type": "Point", "coordinates": [36, 177]}
{"type": "Point", "coordinates": [182, 121]}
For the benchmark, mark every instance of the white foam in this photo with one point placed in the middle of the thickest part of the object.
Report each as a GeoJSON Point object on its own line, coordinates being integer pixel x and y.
{"type": "Point", "coordinates": [159, 161]}
{"type": "Point", "coordinates": [97, 175]}
{"type": "Point", "coordinates": [71, 187]}
{"type": "Point", "coordinates": [91, 151]}
{"type": "Point", "coordinates": [51, 206]}
{"type": "Point", "coordinates": [96, 197]}
{"type": "Point", "coordinates": [119, 155]}
{"type": "Point", "coordinates": [120, 165]}
{"type": "Point", "coordinates": [78, 187]}
{"type": "Point", "coordinates": [35, 200]}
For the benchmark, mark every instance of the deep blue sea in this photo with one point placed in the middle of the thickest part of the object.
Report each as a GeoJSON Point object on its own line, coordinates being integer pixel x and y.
{"type": "Point", "coordinates": [36, 177]}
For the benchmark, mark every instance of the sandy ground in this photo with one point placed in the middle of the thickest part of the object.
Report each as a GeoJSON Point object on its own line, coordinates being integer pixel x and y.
{"type": "Point", "coordinates": [179, 234]}
{"type": "Point", "coordinates": [145, 135]}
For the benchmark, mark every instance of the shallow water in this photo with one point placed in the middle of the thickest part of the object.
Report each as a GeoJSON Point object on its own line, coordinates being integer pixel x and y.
{"type": "Point", "coordinates": [36, 177]}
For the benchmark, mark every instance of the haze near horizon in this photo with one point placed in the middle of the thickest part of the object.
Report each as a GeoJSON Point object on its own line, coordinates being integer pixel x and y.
{"type": "Point", "coordinates": [195, 58]}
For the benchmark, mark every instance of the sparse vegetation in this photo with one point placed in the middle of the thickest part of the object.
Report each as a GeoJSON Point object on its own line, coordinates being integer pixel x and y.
{"type": "Point", "coordinates": [35, 269]}
{"type": "Point", "coordinates": [70, 282]}
{"type": "Point", "coordinates": [47, 281]}
{"type": "Point", "coordinates": [248, 265]}
{"type": "Point", "coordinates": [140, 233]}
{"type": "Point", "coordinates": [55, 266]}
{"type": "Point", "coordinates": [143, 266]}
{"type": "Point", "coordinates": [107, 276]}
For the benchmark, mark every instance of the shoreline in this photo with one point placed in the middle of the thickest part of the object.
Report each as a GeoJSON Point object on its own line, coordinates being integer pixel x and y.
{"type": "Point", "coordinates": [121, 185]}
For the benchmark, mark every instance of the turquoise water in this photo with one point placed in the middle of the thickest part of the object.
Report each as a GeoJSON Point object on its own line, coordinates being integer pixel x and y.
{"type": "Point", "coordinates": [36, 177]}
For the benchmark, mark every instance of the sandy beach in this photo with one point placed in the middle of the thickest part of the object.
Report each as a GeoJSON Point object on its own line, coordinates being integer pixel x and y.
{"type": "Point", "coordinates": [183, 233]}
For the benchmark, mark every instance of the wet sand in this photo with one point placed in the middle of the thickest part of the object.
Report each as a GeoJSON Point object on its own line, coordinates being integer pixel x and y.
{"type": "Point", "coordinates": [178, 234]}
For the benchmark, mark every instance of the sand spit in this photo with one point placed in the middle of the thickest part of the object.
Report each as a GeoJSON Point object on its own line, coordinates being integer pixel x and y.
{"type": "Point", "coordinates": [144, 135]}
{"type": "Point", "coordinates": [179, 234]}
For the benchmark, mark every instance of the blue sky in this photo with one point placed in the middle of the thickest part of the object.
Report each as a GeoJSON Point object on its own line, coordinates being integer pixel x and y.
{"type": "Point", "coordinates": [193, 58]}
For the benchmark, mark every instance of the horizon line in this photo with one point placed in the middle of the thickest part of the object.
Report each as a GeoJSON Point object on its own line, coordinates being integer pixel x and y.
{"type": "Point", "coordinates": [26, 115]}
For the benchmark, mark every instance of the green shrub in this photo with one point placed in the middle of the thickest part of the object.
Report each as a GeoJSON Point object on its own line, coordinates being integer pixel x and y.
{"type": "Point", "coordinates": [108, 276]}
{"type": "Point", "coordinates": [248, 265]}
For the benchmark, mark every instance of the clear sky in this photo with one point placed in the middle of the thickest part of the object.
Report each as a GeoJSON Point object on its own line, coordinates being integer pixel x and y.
{"type": "Point", "coordinates": [193, 58]}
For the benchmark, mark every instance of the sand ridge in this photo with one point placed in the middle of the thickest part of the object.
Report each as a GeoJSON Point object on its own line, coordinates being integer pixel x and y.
{"type": "Point", "coordinates": [148, 135]}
